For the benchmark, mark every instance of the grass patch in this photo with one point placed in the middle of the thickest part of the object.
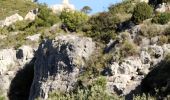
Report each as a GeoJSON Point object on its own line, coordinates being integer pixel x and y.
{"type": "Point", "coordinates": [9, 7]}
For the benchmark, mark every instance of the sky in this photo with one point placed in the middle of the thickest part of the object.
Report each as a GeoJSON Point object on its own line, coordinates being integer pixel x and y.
{"type": "Point", "coordinates": [96, 5]}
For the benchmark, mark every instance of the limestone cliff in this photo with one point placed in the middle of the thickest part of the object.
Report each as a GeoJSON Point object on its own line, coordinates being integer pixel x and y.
{"type": "Point", "coordinates": [58, 64]}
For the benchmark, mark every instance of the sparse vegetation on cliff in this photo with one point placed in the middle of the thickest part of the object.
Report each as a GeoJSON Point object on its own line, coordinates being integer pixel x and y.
{"type": "Point", "coordinates": [142, 11]}
{"type": "Point", "coordinates": [130, 39]}
{"type": "Point", "coordinates": [9, 7]}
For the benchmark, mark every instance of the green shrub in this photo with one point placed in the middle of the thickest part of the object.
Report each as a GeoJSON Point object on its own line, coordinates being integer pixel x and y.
{"type": "Point", "coordinates": [2, 98]}
{"type": "Point", "coordinates": [45, 17]}
{"type": "Point", "coordinates": [144, 97]}
{"type": "Point", "coordinates": [103, 22]}
{"type": "Point", "coordinates": [101, 81]}
{"type": "Point", "coordinates": [18, 26]}
{"type": "Point", "coordinates": [150, 30]}
{"type": "Point", "coordinates": [103, 26]}
{"type": "Point", "coordinates": [123, 7]}
{"type": "Point", "coordinates": [95, 92]}
{"type": "Point", "coordinates": [162, 18]}
{"type": "Point", "coordinates": [4, 31]}
{"type": "Point", "coordinates": [128, 48]}
{"type": "Point", "coordinates": [123, 10]}
{"type": "Point", "coordinates": [167, 30]}
{"type": "Point", "coordinates": [99, 60]}
{"type": "Point", "coordinates": [142, 11]}
{"type": "Point", "coordinates": [73, 20]}
{"type": "Point", "coordinates": [163, 39]}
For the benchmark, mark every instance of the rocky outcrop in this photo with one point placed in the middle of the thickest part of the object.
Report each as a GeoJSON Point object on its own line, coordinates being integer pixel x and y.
{"type": "Point", "coordinates": [127, 75]}
{"type": "Point", "coordinates": [124, 76]}
{"type": "Point", "coordinates": [11, 19]}
{"type": "Point", "coordinates": [7, 59]}
{"type": "Point", "coordinates": [31, 15]}
{"type": "Point", "coordinates": [163, 7]}
{"type": "Point", "coordinates": [144, 1]}
{"type": "Point", "coordinates": [11, 61]}
{"type": "Point", "coordinates": [58, 64]}
{"type": "Point", "coordinates": [35, 37]}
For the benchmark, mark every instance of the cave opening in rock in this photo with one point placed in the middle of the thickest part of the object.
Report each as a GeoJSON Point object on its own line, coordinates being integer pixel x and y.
{"type": "Point", "coordinates": [20, 85]}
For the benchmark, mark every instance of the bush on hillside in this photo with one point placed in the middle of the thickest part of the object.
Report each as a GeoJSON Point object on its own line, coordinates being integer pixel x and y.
{"type": "Point", "coordinates": [103, 26]}
{"type": "Point", "coordinates": [167, 31]}
{"type": "Point", "coordinates": [45, 17]}
{"type": "Point", "coordinates": [96, 91]}
{"type": "Point", "coordinates": [123, 7]}
{"type": "Point", "coordinates": [150, 30]}
{"type": "Point", "coordinates": [142, 11]}
{"type": "Point", "coordinates": [18, 26]}
{"type": "Point", "coordinates": [162, 18]}
{"type": "Point", "coordinates": [73, 20]}
{"type": "Point", "coordinates": [103, 22]}
{"type": "Point", "coordinates": [123, 10]}
{"type": "Point", "coordinates": [163, 40]}
{"type": "Point", "coordinates": [4, 31]}
{"type": "Point", "coordinates": [128, 48]}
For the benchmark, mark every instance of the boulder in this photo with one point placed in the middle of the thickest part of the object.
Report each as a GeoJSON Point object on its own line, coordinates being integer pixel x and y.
{"type": "Point", "coordinates": [154, 40]}
{"type": "Point", "coordinates": [162, 7]}
{"type": "Point", "coordinates": [145, 42]}
{"type": "Point", "coordinates": [124, 76]}
{"type": "Point", "coordinates": [11, 19]}
{"type": "Point", "coordinates": [118, 84]}
{"type": "Point", "coordinates": [157, 51]}
{"type": "Point", "coordinates": [3, 36]}
{"type": "Point", "coordinates": [145, 57]}
{"type": "Point", "coordinates": [144, 1]}
{"type": "Point", "coordinates": [35, 37]}
{"type": "Point", "coordinates": [58, 64]}
{"type": "Point", "coordinates": [166, 49]}
{"type": "Point", "coordinates": [7, 59]}
{"type": "Point", "coordinates": [31, 15]}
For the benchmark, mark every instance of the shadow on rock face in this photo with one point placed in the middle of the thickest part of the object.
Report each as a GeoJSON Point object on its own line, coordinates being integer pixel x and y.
{"type": "Point", "coordinates": [157, 82]}
{"type": "Point", "coordinates": [20, 86]}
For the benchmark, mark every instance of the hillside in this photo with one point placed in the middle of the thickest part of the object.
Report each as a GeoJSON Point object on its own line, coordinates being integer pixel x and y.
{"type": "Point", "coordinates": [119, 54]}
{"type": "Point", "coordinates": [9, 7]}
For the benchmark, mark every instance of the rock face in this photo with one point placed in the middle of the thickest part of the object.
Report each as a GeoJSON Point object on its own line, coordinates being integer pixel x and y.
{"type": "Point", "coordinates": [144, 1]}
{"type": "Point", "coordinates": [35, 37]}
{"type": "Point", "coordinates": [58, 63]}
{"type": "Point", "coordinates": [163, 7]}
{"type": "Point", "coordinates": [7, 59]}
{"type": "Point", "coordinates": [10, 62]}
{"type": "Point", "coordinates": [31, 15]}
{"type": "Point", "coordinates": [124, 76]}
{"type": "Point", "coordinates": [11, 19]}
{"type": "Point", "coordinates": [127, 75]}
{"type": "Point", "coordinates": [25, 54]}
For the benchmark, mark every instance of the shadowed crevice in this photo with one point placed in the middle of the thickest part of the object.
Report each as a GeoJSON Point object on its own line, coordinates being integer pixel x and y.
{"type": "Point", "coordinates": [20, 85]}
